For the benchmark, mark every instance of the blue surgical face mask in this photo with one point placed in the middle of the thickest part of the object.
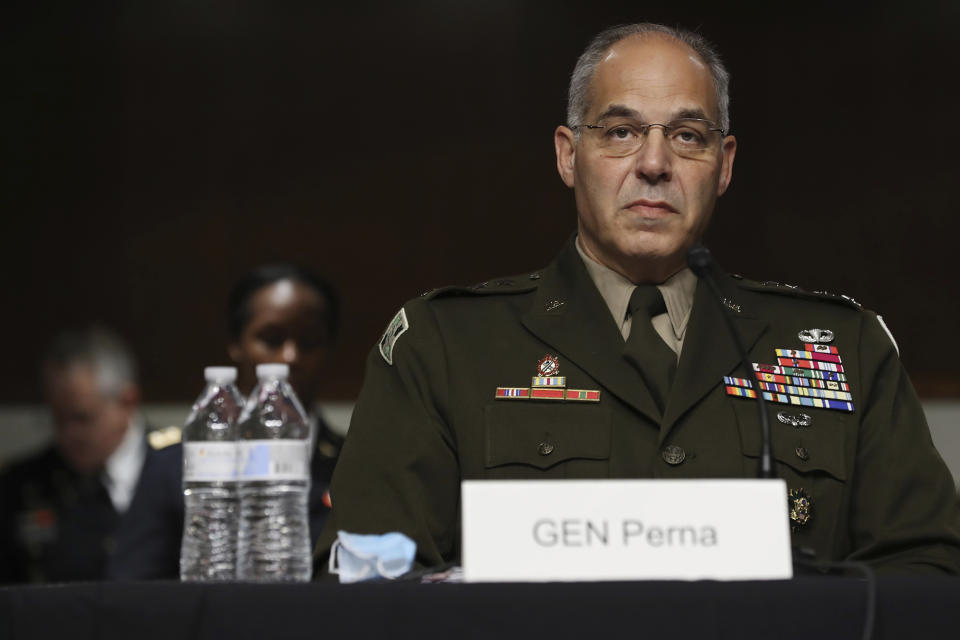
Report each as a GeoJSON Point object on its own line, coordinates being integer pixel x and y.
{"type": "Point", "coordinates": [358, 557]}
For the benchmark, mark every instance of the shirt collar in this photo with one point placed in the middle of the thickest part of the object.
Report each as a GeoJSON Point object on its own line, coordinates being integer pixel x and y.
{"type": "Point", "coordinates": [616, 289]}
{"type": "Point", "coordinates": [678, 291]}
{"type": "Point", "coordinates": [122, 469]}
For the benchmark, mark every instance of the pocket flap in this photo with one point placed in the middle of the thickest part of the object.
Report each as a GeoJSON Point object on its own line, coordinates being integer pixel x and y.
{"type": "Point", "coordinates": [817, 447]}
{"type": "Point", "coordinates": [542, 435]}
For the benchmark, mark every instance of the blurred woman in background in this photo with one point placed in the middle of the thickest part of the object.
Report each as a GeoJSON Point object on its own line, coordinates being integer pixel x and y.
{"type": "Point", "coordinates": [276, 313]}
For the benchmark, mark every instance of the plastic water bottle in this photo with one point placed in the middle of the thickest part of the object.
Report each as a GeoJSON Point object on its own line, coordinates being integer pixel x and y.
{"type": "Point", "coordinates": [208, 549]}
{"type": "Point", "coordinates": [274, 482]}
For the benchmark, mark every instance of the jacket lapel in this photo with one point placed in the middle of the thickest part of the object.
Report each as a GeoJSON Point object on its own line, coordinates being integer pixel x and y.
{"type": "Point", "coordinates": [709, 353]}
{"type": "Point", "coordinates": [570, 315]}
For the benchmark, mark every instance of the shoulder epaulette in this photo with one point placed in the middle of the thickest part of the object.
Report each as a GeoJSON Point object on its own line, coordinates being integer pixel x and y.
{"type": "Point", "coordinates": [769, 286]}
{"type": "Point", "coordinates": [513, 284]}
{"type": "Point", "coordinates": [163, 438]}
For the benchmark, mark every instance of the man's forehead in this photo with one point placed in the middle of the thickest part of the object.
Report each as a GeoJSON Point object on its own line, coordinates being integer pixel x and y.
{"type": "Point", "coordinates": [652, 72]}
{"type": "Point", "coordinates": [78, 374]}
{"type": "Point", "coordinates": [652, 44]}
{"type": "Point", "coordinates": [72, 384]}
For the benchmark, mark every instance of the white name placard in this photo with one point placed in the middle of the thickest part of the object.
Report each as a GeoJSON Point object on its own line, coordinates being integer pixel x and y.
{"type": "Point", "coordinates": [572, 530]}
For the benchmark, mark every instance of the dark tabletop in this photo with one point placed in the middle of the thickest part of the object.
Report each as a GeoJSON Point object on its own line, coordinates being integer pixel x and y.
{"type": "Point", "coordinates": [803, 608]}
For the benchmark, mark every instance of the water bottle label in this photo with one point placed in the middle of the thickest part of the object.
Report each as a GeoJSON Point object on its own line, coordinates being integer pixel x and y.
{"type": "Point", "coordinates": [209, 461]}
{"type": "Point", "coordinates": [273, 460]}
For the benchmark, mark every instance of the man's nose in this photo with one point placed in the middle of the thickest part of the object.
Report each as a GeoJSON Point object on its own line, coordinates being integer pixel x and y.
{"type": "Point", "coordinates": [655, 158]}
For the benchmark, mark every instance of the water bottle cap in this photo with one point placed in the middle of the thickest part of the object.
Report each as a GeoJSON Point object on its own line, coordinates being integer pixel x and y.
{"type": "Point", "coordinates": [270, 371]}
{"type": "Point", "coordinates": [220, 375]}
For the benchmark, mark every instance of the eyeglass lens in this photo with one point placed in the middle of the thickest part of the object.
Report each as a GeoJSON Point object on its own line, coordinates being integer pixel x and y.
{"type": "Point", "coordinates": [685, 137]}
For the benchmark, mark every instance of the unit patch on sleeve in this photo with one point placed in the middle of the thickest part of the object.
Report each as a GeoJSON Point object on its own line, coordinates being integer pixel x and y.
{"type": "Point", "coordinates": [394, 330]}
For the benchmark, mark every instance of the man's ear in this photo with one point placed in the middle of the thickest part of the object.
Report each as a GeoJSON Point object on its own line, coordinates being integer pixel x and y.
{"type": "Point", "coordinates": [565, 144]}
{"type": "Point", "coordinates": [729, 151]}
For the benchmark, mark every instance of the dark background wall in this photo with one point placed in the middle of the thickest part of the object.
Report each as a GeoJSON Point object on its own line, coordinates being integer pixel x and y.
{"type": "Point", "coordinates": [154, 151]}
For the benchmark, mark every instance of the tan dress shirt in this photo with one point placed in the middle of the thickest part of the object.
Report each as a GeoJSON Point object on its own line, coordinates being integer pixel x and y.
{"type": "Point", "coordinates": [616, 290]}
{"type": "Point", "coordinates": [121, 471]}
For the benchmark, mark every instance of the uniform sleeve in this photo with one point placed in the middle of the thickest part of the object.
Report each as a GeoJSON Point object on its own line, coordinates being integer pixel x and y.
{"type": "Point", "coordinates": [398, 470]}
{"type": "Point", "coordinates": [904, 510]}
{"type": "Point", "coordinates": [148, 539]}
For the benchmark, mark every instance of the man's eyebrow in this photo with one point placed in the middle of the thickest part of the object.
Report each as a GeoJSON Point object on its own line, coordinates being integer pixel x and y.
{"type": "Point", "coordinates": [619, 111]}
{"type": "Point", "coordinates": [691, 113]}
{"type": "Point", "coordinates": [623, 111]}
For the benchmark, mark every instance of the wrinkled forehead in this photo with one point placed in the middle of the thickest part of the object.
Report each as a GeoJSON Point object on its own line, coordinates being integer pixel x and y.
{"type": "Point", "coordinates": [655, 76]}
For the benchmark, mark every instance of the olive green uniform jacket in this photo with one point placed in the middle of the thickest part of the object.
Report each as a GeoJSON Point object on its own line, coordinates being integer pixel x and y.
{"type": "Point", "coordinates": [879, 490]}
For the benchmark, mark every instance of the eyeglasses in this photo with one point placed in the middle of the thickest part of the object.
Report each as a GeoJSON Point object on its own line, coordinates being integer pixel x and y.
{"type": "Point", "coordinates": [687, 137]}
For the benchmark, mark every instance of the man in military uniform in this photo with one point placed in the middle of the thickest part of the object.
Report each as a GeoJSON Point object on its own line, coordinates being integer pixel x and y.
{"type": "Point", "coordinates": [59, 509]}
{"type": "Point", "coordinates": [614, 362]}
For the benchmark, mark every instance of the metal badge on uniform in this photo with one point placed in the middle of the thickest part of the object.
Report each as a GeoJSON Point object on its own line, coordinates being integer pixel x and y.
{"type": "Point", "coordinates": [548, 385]}
{"type": "Point", "coordinates": [730, 304]}
{"type": "Point", "coordinates": [794, 419]}
{"type": "Point", "coordinates": [553, 305]}
{"type": "Point", "coordinates": [163, 438]}
{"type": "Point", "coordinates": [549, 365]}
{"type": "Point", "coordinates": [811, 376]}
{"type": "Point", "coordinates": [800, 508]}
{"type": "Point", "coordinates": [394, 330]}
{"type": "Point", "coordinates": [813, 336]}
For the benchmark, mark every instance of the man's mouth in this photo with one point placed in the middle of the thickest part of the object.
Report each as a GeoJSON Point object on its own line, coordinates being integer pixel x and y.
{"type": "Point", "coordinates": [651, 207]}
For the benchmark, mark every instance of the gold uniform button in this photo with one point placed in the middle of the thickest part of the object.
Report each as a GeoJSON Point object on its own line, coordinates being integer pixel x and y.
{"type": "Point", "coordinates": [544, 448]}
{"type": "Point", "coordinates": [802, 453]}
{"type": "Point", "coordinates": [673, 455]}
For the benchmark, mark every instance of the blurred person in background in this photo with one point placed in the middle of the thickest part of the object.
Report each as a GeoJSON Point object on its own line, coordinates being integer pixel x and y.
{"type": "Point", "coordinates": [276, 313]}
{"type": "Point", "coordinates": [59, 509]}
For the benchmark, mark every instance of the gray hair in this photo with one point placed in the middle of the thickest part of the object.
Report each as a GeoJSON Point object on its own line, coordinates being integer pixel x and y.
{"type": "Point", "coordinates": [577, 100]}
{"type": "Point", "coordinates": [102, 350]}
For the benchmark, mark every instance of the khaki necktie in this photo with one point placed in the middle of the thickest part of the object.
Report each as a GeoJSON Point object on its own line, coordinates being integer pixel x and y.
{"type": "Point", "coordinates": [645, 349]}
